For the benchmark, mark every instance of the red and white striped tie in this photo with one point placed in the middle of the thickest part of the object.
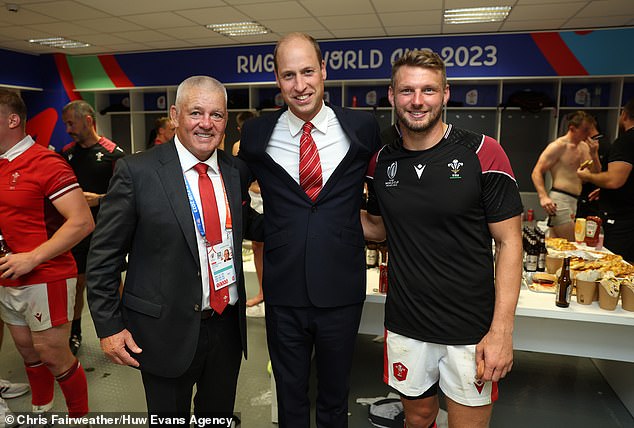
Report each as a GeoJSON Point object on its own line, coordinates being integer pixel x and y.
{"type": "Point", "coordinates": [309, 164]}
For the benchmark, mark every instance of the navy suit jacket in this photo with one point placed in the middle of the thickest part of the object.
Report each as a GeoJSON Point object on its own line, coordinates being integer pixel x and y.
{"type": "Point", "coordinates": [146, 214]}
{"type": "Point", "coordinates": [313, 251]}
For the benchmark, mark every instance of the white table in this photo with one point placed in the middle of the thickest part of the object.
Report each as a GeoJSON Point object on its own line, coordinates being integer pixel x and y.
{"type": "Point", "coordinates": [579, 330]}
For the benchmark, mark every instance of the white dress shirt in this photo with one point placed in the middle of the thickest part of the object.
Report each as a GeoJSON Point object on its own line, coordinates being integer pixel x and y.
{"type": "Point", "coordinates": [188, 161]}
{"type": "Point", "coordinates": [332, 143]}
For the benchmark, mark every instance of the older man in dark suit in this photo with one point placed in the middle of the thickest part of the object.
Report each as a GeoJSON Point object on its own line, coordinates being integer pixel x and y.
{"type": "Point", "coordinates": [310, 161]}
{"type": "Point", "coordinates": [176, 209]}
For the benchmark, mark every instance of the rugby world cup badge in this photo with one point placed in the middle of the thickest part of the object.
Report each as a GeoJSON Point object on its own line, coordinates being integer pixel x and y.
{"type": "Point", "coordinates": [391, 174]}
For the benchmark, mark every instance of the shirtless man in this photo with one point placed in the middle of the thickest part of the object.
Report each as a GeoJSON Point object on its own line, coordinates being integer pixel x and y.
{"type": "Point", "coordinates": [562, 158]}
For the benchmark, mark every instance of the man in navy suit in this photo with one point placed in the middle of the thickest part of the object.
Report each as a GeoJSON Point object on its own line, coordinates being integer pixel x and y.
{"type": "Point", "coordinates": [167, 323]}
{"type": "Point", "coordinates": [314, 267]}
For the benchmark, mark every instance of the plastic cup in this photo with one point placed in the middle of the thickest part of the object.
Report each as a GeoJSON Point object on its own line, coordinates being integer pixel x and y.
{"type": "Point", "coordinates": [586, 291]}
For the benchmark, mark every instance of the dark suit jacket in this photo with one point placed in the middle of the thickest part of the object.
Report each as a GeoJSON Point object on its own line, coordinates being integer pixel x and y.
{"type": "Point", "coordinates": [146, 213]}
{"type": "Point", "coordinates": [313, 251]}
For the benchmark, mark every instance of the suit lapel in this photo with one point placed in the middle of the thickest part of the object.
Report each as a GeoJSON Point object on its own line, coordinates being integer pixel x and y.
{"type": "Point", "coordinates": [171, 175]}
{"type": "Point", "coordinates": [350, 155]}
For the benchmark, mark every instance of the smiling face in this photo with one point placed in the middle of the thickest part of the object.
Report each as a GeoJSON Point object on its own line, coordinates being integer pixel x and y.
{"type": "Point", "coordinates": [300, 76]}
{"type": "Point", "coordinates": [418, 96]}
{"type": "Point", "coordinates": [200, 116]}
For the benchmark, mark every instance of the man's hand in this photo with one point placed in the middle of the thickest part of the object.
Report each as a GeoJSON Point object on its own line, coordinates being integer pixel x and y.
{"type": "Point", "coordinates": [92, 198]}
{"type": "Point", "coordinates": [584, 174]}
{"type": "Point", "coordinates": [593, 145]}
{"type": "Point", "coordinates": [496, 350]}
{"type": "Point", "coordinates": [14, 266]}
{"type": "Point", "coordinates": [115, 348]}
{"type": "Point", "coordinates": [548, 205]}
{"type": "Point", "coordinates": [594, 195]}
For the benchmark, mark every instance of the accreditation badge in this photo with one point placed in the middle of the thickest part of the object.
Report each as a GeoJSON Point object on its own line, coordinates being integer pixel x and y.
{"type": "Point", "coordinates": [221, 263]}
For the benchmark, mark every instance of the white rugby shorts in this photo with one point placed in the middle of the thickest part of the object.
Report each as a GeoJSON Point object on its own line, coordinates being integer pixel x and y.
{"type": "Point", "coordinates": [412, 367]}
{"type": "Point", "coordinates": [39, 306]}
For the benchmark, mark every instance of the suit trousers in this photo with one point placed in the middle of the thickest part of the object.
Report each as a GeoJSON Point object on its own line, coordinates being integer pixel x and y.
{"type": "Point", "coordinates": [214, 370]}
{"type": "Point", "coordinates": [292, 334]}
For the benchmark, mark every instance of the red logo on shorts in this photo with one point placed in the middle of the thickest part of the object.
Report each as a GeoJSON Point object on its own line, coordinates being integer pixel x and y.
{"type": "Point", "coordinates": [38, 316]}
{"type": "Point", "coordinates": [479, 386]}
{"type": "Point", "coordinates": [400, 371]}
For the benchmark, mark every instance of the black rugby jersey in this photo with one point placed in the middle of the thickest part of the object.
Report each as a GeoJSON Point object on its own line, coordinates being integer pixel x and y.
{"type": "Point", "coordinates": [436, 205]}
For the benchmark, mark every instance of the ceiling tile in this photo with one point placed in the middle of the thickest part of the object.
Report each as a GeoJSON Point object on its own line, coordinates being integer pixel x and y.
{"type": "Point", "coordinates": [348, 22]}
{"type": "Point", "coordinates": [214, 15]}
{"type": "Point", "coordinates": [130, 7]}
{"type": "Point", "coordinates": [537, 12]}
{"type": "Point", "coordinates": [413, 30]}
{"type": "Point", "coordinates": [544, 24]}
{"type": "Point", "coordinates": [159, 20]}
{"type": "Point", "coordinates": [607, 8]}
{"type": "Point", "coordinates": [359, 32]}
{"type": "Point", "coordinates": [143, 36]}
{"type": "Point", "coordinates": [128, 47]}
{"type": "Point", "coordinates": [168, 44]}
{"type": "Point", "coordinates": [23, 17]}
{"type": "Point", "coordinates": [599, 21]}
{"type": "Point", "coordinates": [111, 25]}
{"type": "Point", "coordinates": [102, 39]}
{"type": "Point", "coordinates": [185, 33]}
{"type": "Point", "coordinates": [383, 6]}
{"type": "Point", "coordinates": [63, 29]}
{"type": "Point", "coordinates": [66, 10]}
{"type": "Point", "coordinates": [487, 27]}
{"type": "Point", "coordinates": [338, 7]}
{"type": "Point", "coordinates": [22, 33]}
{"type": "Point", "coordinates": [288, 25]}
{"type": "Point", "coordinates": [430, 17]}
{"type": "Point", "coordinates": [287, 9]}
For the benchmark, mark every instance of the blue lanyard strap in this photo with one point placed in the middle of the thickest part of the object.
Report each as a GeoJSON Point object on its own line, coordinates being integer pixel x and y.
{"type": "Point", "coordinates": [195, 210]}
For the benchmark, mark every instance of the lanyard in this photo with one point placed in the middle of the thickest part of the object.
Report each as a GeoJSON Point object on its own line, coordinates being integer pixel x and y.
{"type": "Point", "coordinates": [196, 211]}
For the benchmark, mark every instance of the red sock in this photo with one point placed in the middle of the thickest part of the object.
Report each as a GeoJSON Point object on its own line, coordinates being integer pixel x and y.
{"type": "Point", "coordinates": [42, 383]}
{"type": "Point", "coordinates": [75, 388]}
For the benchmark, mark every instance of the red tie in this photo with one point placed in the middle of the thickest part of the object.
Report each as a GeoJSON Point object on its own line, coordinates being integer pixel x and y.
{"type": "Point", "coordinates": [309, 164]}
{"type": "Point", "coordinates": [219, 299]}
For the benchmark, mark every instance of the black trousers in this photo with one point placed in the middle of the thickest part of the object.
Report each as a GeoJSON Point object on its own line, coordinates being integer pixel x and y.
{"type": "Point", "coordinates": [619, 235]}
{"type": "Point", "coordinates": [214, 371]}
{"type": "Point", "coordinates": [292, 333]}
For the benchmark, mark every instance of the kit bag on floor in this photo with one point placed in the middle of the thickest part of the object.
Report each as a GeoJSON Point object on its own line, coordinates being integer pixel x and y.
{"type": "Point", "coordinates": [387, 413]}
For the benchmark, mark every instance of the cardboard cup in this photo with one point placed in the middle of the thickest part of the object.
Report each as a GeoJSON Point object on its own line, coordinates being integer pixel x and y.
{"type": "Point", "coordinates": [627, 298]}
{"type": "Point", "coordinates": [606, 301]}
{"type": "Point", "coordinates": [553, 263]}
{"type": "Point", "coordinates": [586, 291]}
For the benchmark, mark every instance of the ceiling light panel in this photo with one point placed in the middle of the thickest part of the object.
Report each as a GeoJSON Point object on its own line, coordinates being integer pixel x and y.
{"type": "Point", "coordinates": [236, 29]}
{"type": "Point", "coordinates": [59, 42]}
{"type": "Point", "coordinates": [473, 15]}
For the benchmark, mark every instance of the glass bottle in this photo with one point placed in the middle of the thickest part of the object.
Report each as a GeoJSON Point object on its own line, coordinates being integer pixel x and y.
{"type": "Point", "coordinates": [4, 247]}
{"type": "Point", "coordinates": [564, 285]}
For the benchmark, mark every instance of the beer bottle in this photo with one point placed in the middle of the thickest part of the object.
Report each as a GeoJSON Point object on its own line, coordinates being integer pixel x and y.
{"type": "Point", "coordinates": [371, 255]}
{"type": "Point", "coordinates": [4, 247]}
{"type": "Point", "coordinates": [564, 285]}
{"type": "Point", "coordinates": [532, 255]}
{"type": "Point", "coordinates": [541, 258]}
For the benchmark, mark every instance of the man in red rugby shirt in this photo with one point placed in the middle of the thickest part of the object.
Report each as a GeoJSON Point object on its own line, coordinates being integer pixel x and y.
{"type": "Point", "coordinates": [43, 214]}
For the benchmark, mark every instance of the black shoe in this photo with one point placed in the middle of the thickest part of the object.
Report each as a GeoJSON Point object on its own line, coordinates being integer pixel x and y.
{"type": "Point", "coordinates": [74, 342]}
